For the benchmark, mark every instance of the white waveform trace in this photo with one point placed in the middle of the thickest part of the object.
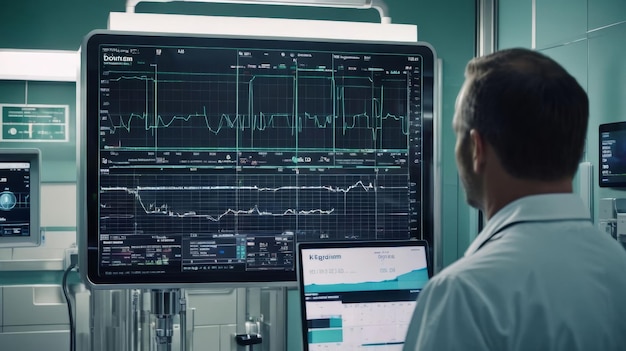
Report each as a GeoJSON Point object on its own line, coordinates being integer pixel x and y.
{"type": "Point", "coordinates": [164, 209]}
{"type": "Point", "coordinates": [335, 189]}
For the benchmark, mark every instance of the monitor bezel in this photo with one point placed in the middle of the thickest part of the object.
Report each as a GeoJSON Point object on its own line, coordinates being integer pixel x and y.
{"type": "Point", "coordinates": [88, 162]}
{"type": "Point", "coordinates": [33, 157]}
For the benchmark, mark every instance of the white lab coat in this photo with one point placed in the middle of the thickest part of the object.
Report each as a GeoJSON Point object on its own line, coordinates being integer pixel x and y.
{"type": "Point", "coordinates": [539, 276]}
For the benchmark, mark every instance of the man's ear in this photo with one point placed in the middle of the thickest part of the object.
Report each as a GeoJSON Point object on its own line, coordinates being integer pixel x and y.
{"type": "Point", "coordinates": [478, 148]}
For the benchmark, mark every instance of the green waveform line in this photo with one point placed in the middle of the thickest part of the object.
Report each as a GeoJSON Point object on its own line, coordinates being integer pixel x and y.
{"type": "Point", "coordinates": [261, 121]}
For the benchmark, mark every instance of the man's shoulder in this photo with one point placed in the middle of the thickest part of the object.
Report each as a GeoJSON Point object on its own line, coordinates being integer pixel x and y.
{"type": "Point", "coordinates": [506, 266]}
{"type": "Point", "coordinates": [477, 272]}
{"type": "Point", "coordinates": [473, 265]}
{"type": "Point", "coordinates": [462, 272]}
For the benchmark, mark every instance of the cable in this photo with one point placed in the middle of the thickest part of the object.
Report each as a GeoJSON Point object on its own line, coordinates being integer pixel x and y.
{"type": "Point", "coordinates": [69, 307]}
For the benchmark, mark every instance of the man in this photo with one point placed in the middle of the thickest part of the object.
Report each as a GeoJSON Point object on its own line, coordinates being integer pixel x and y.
{"type": "Point", "coordinates": [539, 276]}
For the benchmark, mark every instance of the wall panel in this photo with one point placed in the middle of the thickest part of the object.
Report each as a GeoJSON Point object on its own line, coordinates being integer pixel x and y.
{"type": "Point", "coordinates": [606, 12]}
{"type": "Point", "coordinates": [560, 21]}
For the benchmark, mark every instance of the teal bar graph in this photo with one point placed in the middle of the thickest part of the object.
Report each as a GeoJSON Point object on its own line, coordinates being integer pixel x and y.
{"type": "Point", "coordinates": [318, 336]}
{"type": "Point", "coordinates": [336, 322]}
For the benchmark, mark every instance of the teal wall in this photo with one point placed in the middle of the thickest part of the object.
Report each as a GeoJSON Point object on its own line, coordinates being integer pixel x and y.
{"type": "Point", "coordinates": [587, 37]}
{"type": "Point", "coordinates": [448, 25]}
{"type": "Point", "coordinates": [59, 157]}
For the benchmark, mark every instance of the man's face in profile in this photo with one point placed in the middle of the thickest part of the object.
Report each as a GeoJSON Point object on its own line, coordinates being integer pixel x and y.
{"type": "Point", "coordinates": [463, 155]}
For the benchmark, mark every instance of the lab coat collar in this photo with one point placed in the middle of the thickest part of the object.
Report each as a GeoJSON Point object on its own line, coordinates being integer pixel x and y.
{"type": "Point", "coordinates": [531, 209]}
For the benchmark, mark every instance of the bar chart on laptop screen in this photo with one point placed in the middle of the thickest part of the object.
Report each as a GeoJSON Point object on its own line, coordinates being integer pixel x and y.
{"type": "Point", "coordinates": [312, 144]}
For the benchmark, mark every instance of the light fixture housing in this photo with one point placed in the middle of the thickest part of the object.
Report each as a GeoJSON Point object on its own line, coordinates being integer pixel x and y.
{"type": "Point", "coordinates": [379, 5]}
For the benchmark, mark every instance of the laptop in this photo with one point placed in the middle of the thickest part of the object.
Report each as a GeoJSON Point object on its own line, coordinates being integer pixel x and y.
{"type": "Point", "coordinates": [359, 295]}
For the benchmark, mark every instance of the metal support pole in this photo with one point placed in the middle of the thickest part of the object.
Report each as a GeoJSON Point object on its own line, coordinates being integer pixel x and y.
{"type": "Point", "coordinates": [165, 305]}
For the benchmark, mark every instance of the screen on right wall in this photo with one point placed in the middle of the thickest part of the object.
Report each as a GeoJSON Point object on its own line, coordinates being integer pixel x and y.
{"type": "Point", "coordinates": [612, 148]}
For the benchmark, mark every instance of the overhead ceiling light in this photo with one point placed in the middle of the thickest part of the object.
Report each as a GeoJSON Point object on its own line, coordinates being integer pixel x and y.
{"type": "Point", "coordinates": [379, 5]}
{"type": "Point", "coordinates": [39, 65]}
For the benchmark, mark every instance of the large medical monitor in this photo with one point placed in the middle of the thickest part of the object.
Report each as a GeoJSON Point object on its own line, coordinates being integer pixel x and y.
{"type": "Point", "coordinates": [206, 159]}
{"type": "Point", "coordinates": [359, 295]}
{"type": "Point", "coordinates": [19, 197]}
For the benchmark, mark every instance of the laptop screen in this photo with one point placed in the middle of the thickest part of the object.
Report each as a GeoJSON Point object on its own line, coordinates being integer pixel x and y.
{"type": "Point", "coordinates": [359, 295]}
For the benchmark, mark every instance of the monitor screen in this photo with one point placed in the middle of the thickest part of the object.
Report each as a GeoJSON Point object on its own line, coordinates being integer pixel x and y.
{"type": "Point", "coordinates": [19, 197]}
{"type": "Point", "coordinates": [612, 154]}
{"type": "Point", "coordinates": [359, 295]}
{"type": "Point", "coordinates": [206, 159]}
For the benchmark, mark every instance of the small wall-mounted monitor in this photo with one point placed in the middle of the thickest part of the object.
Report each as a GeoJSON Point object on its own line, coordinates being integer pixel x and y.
{"type": "Point", "coordinates": [612, 140]}
{"type": "Point", "coordinates": [19, 197]}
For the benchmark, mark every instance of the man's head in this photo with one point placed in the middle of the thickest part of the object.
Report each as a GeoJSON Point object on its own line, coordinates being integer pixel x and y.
{"type": "Point", "coordinates": [528, 110]}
